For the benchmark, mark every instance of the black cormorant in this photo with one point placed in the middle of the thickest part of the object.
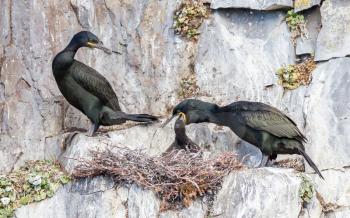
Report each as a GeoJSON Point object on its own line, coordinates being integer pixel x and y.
{"type": "Point", "coordinates": [86, 89]}
{"type": "Point", "coordinates": [257, 123]}
{"type": "Point", "coordinates": [181, 139]}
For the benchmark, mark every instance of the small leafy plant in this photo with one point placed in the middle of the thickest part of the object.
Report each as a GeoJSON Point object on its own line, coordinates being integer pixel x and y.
{"type": "Point", "coordinates": [306, 190]}
{"type": "Point", "coordinates": [35, 181]}
{"type": "Point", "coordinates": [189, 17]}
{"type": "Point", "coordinates": [297, 25]}
{"type": "Point", "coordinates": [292, 76]}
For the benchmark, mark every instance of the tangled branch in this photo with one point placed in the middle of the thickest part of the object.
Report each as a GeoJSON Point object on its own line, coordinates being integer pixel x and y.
{"type": "Point", "coordinates": [178, 177]}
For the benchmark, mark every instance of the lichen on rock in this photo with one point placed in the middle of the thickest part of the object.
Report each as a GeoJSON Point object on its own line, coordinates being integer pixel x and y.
{"type": "Point", "coordinates": [294, 75]}
{"type": "Point", "coordinates": [35, 181]}
{"type": "Point", "coordinates": [188, 86]}
{"type": "Point", "coordinates": [189, 17]}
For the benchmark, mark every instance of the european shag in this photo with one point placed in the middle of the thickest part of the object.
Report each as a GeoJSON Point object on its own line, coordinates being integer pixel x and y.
{"type": "Point", "coordinates": [257, 123]}
{"type": "Point", "coordinates": [181, 139]}
{"type": "Point", "coordinates": [86, 89]}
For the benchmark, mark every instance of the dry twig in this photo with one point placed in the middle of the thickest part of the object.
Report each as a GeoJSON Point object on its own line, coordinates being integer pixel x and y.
{"type": "Point", "coordinates": [177, 177]}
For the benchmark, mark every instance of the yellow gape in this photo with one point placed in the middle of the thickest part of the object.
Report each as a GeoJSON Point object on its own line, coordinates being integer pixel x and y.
{"type": "Point", "coordinates": [91, 44]}
{"type": "Point", "coordinates": [183, 116]}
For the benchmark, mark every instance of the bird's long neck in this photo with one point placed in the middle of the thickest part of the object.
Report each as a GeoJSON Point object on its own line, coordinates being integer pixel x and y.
{"type": "Point", "coordinates": [65, 58]}
{"type": "Point", "coordinates": [71, 50]}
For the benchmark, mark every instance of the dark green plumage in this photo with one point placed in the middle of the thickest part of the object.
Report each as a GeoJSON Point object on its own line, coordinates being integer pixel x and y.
{"type": "Point", "coordinates": [86, 89]}
{"type": "Point", "coordinates": [259, 124]}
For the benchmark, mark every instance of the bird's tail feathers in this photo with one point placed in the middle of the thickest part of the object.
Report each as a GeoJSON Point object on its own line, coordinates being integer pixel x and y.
{"type": "Point", "coordinates": [144, 118]}
{"type": "Point", "coordinates": [310, 162]}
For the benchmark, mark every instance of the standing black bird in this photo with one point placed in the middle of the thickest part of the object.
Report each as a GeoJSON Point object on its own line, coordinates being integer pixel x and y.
{"type": "Point", "coordinates": [86, 89]}
{"type": "Point", "coordinates": [259, 124]}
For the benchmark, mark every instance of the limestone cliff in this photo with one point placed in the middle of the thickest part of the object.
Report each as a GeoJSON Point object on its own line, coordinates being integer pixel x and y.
{"type": "Point", "coordinates": [240, 48]}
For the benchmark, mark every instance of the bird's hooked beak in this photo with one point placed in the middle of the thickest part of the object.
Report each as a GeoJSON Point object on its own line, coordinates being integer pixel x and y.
{"type": "Point", "coordinates": [99, 45]}
{"type": "Point", "coordinates": [180, 114]}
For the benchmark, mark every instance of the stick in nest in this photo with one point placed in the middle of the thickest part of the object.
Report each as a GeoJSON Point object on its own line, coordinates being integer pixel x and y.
{"type": "Point", "coordinates": [178, 177]}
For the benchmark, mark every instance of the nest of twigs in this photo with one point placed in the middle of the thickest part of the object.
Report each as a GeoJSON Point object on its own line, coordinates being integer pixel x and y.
{"type": "Point", "coordinates": [178, 177]}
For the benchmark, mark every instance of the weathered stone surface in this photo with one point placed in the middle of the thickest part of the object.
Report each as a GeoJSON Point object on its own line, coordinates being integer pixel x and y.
{"type": "Point", "coordinates": [334, 189]}
{"type": "Point", "coordinates": [86, 198]}
{"type": "Point", "coordinates": [327, 115]}
{"type": "Point", "coordinates": [307, 45]}
{"type": "Point", "coordinates": [334, 38]}
{"type": "Point", "coordinates": [252, 4]}
{"type": "Point", "coordinates": [140, 76]}
{"type": "Point", "coordinates": [97, 198]}
{"type": "Point", "coordinates": [238, 54]}
{"type": "Point", "coordinates": [256, 193]}
{"type": "Point", "coordinates": [144, 205]}
{"type": "Point", "coordinates": [300, 5]}
{"type": "Point", "coordinates": [233, 43]}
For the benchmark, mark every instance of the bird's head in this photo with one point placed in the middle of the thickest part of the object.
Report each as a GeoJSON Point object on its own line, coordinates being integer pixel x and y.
{"type": "Point", "coordinates": [88, 39]}
{"type": "Point", "coordinates": [193, 111]}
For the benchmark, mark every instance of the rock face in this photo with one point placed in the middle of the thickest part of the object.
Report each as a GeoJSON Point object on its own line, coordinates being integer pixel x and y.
{"type": "Point", "coordinates": [307, 45]}
{"type": "Point", "coordinates": [96, 198]}
{"type": "Point", "coordinates": [300, 5]}
{"type": "Point", "coordinates": [334, 38]}
{"type": "Point", "coordinates": [252, 4]}
{"type": "Point", "coordinates": [254, 193]}
{"type": "Point", "coordinates": [236, 57]}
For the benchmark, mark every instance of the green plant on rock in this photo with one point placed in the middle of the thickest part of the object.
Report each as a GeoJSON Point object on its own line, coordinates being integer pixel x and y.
{"type": "Point", "coordinates": [297, 25]}
{"type": "Point", "coordinates": [189, 17]}
{"type": "Point", "coordinates": [306, 190]}
{"type": "Point", "coordinates": [294, 75]}
{"type": "Point", "coordinates": [35, 181]}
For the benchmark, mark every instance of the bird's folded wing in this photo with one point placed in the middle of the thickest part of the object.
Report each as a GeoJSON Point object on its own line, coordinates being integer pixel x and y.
{"type": "Point", "coordinates": [95, 83]}
{"type": "Point", "coordinates": [272, 122]}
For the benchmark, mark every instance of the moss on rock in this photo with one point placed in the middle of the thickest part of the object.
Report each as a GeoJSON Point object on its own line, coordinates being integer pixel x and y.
{"type": "Point", "coordinates": [294, 75]}
{"type": "Point", "coordinates": [189, 17]}
{"type": "Point", "coordinates": [306, 190]}
{"type": "Point", "coordinates": [35, 181]}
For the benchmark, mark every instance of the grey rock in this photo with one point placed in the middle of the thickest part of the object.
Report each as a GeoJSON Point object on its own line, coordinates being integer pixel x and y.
{"type": "Point", "coordinates": [256, 193]}
{"type": "Point", "coordinates": [195, 210]}
{"type": "Point", "coordinates": [71, 201]}
{"type": "Point", "coordinates": [236, 56]}
{"type": "Point", "coordinates": [145, 205]}
{"type": "Point", "coordinates": [334, 38]}
{"type": "Point", "coordinates": [243, 40]}
{"type": "Point", "coordinates": [252, 4]}
{"type": "Point", "coordinates": [307, 45]}
{"type": "Point", "coordinates": [98, 198]}
{"type": "Point", "coordinates": [338, 214]}
{"type": "Point", "coordinates": [327, 115]}
{"type": "Point", "coordinates": [334, 179]}
{"type": "Point", "coordinates": [300, 5]}
{"type": "Point", "coordinates": [140, 75]}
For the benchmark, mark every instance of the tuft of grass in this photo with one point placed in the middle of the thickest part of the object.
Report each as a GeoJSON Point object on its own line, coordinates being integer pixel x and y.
{"type": "Point", "coordinates": [306, 190]}
{"type": "Point", "coordinates": [297, 25]}
{"type": "Point", "coordinates": [33, 182]}
{"type": "Point", "coordinates": [292, 76]}
{"type": "Point", "coordinates": [189, 17]}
